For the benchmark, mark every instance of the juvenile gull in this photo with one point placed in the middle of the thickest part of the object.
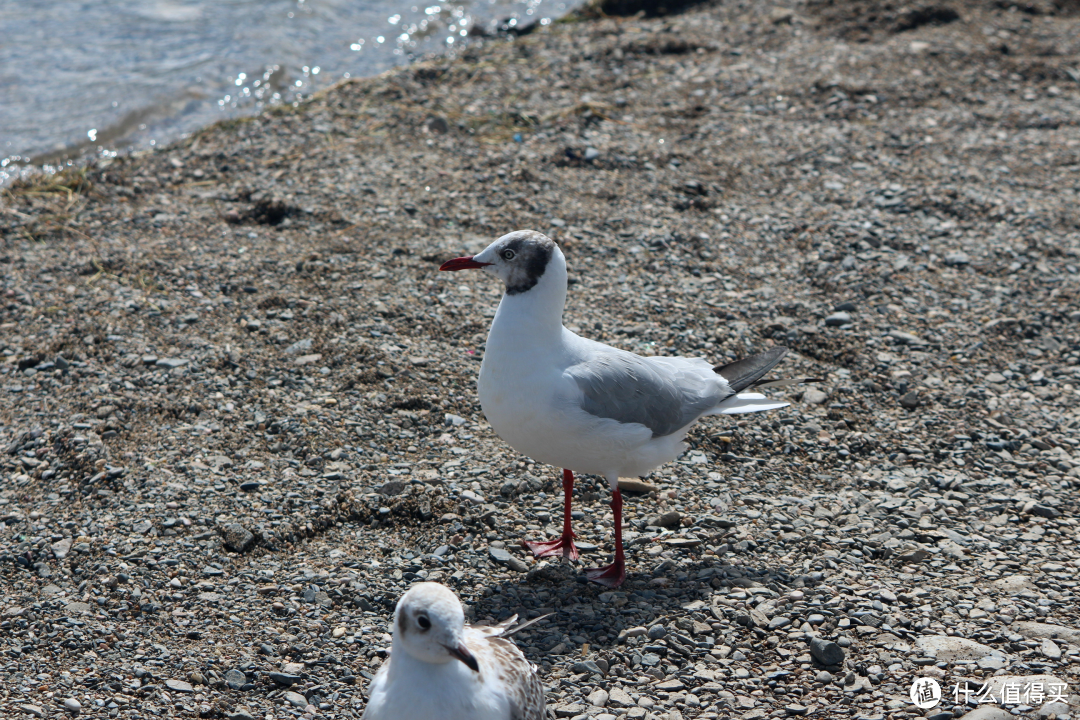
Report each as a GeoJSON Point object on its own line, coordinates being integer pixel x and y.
{"type": "Point", "coordinates": [587, 407]}
{"type": "Point", "coordinates": [442, 669]}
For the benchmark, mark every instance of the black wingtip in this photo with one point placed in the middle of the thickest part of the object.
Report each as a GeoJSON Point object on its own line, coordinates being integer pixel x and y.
{"type": "Point", "coordinates": [743, 373]}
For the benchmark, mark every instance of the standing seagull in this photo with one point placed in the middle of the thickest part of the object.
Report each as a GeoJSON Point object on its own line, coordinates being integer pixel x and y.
{"type": "Point", "coordinates": [577, 404]}
{"type": "Point", "coordinates": [441, 669]}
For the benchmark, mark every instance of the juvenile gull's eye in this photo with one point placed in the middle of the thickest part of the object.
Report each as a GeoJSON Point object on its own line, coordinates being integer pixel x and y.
{"type": "Point", "coordinates": [423, 622]}
{"type": "Point", "coordinates": [508, 254]}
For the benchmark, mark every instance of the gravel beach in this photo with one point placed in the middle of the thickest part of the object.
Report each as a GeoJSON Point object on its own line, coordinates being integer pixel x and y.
{"type": "Point", "coordinates": [238, 406]}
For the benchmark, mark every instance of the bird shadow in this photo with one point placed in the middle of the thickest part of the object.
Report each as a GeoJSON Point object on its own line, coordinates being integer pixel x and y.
{"type": "Point", "coordinates": [588, 619]}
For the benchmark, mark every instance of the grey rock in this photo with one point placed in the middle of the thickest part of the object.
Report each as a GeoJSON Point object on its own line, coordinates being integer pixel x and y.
{"type": "Point", "coordinates": [35, 710]}
{"type": "Point", "coordinates": [299, 346]}
{"type": "Point", "coordinates": [826, 652]}
{"type": "Point", "coordinates": [837, 319]}
{"type": "Point", "coordinates": [779, 622]}
{"type": "Point", "coordinates": [499, 555]}
{"type": "Point", "coordinates": [669, 520]}
{"type": "Point", "coordinates": [591, 154]}
{"type": "Point", "coordinates": [392, 488]}
{"type": "Point", "coordinates": [235, 679]}
{"type": "Point", "coordinates": [1038, 631]}
{"type": "Point", "coordinates": [598, 698]}
{"type": "Point", "coordinates": [454, 420]}
{"type": "Point", "coordinates": [1050, 649]}
{"type": "Point", "coordinates": [170, 363]}
{"type": "Point", "coordinates": [949, 649]}
{"type": "Point", "coordinates": [240, 713]}
{"type": "Point", "coordinates": [61, 548]}
{"type": "Point", "coordinates": [957, 258]}
{"type": "Point", "coordinates": [1043, 511]}
{"type": "Point", "coordinates": [236, 537]}
{"type": "Point", "coordinates": [72, 705]}
{"type": "Point", "coordinates": [296, 699]}
{"type": "Point", "coordinates": [813, 396]}
{"type": "Point", "coordinates": [179, 686]}
{"type": "Point", "coordinates": [586, 666]}
{"type": "Point", "coordinates": [906, 338]}
{"type": "Point", "coordinates": [996, 378]}
{"type": "Point", "coordinates": [1054, 709]}
{"type": "Point", "coordinates": [910, 400]}
{"type": "Point", "coordinates": [283, 679]}
{"type": "Point", "coordinates": [987, 712]}
{"type": "Point", "coordinates": [824, 677]}
{"type": "Point", "coordinates": [656, 632]}
{"type": "Point", "coordinates": [991, 662]}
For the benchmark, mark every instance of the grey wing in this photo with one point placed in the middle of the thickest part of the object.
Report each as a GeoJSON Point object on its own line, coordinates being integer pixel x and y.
{"type": "Point", "coordinates": [628, 388]}
{"type": "Point", "coordinates": [524, 691]}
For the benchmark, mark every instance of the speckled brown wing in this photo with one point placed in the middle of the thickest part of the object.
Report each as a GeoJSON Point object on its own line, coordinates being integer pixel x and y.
{"type": "Point", "coordinates": [518, 675]}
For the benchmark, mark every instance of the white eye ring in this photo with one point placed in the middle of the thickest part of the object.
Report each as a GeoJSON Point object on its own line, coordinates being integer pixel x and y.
{"type": "Point", "coordinates": [508, 254]}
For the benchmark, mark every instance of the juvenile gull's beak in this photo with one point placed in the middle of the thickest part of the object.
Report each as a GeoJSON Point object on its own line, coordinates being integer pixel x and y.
{"type": "Point", "coordinates": [462, 653]}
{"type": "Point", "coordinates": [462, 263]}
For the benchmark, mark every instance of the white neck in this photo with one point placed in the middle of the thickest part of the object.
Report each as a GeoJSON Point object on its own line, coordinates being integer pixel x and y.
{"type": "Point", "coordinates": [402, 662]}
{"type": "Point", "coordinates": [536, 314]}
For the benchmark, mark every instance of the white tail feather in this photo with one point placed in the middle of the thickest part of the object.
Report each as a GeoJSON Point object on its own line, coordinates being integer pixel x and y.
{"type": "Point", "coordinates": [746, 403]}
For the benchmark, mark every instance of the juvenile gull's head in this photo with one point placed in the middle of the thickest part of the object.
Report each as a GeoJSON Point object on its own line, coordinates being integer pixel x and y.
{"type": "Point", "coordinates": [429, 625]}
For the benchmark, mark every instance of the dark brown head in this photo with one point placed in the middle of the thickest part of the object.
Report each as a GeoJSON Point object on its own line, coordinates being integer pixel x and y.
{"type": "Point", "coordinates": [519, 259]}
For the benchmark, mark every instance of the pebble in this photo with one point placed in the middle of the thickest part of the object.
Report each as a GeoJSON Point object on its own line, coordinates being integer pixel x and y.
{"type": "Point", "coordinates": [296, 699]}
{"type": "Point", "coordinates": [598, 697]}
{"type": "Point", "coordinates": [235, 678]}
{"type": "Point", "coordinates": [283, 679]}
{"type": "Point", "coordinates": [587, 666]}
{"type": "Point", "coordinates": [1050, 649]}
{"type": "Point", "coordinates": [179, 686]}
{"type": "Point", "coordinates": [826, 652]}
{"type": "Point", "coordinates": [910, 400]}
{"type": "Point", "coordinates": [73, 706]}
{"type": "Point", "coordinates": [987, 712]}
{"type": "Point", "coordinates": [813, 396]}
{"type": "Point", "coordinates": [837, 319]}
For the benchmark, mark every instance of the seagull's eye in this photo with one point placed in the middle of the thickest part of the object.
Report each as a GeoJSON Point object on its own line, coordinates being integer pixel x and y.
{"type": "Point", "coordinates": [423, 622]}
{"type": "Point", "coordinates": [508, 254]}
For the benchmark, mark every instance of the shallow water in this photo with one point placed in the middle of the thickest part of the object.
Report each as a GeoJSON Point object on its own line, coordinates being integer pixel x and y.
{"type": "Point", "coordinates": [107, 76]}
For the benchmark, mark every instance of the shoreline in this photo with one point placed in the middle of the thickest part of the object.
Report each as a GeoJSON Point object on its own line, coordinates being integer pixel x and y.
{"type": "Point", "coordinates": [238, 399]}
{"type": "Point", "coordinates": [128, 133]}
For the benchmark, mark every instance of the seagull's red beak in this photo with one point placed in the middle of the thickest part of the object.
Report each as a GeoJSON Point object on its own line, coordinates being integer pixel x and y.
{"type": "Point", "coordinates": [462, 263]}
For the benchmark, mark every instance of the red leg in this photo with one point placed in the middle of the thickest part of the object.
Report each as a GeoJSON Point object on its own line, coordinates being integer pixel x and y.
{"type": "Point", "coordinates": [565, 544]}
{"type": "Point", "coordinates": [612, 575]}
